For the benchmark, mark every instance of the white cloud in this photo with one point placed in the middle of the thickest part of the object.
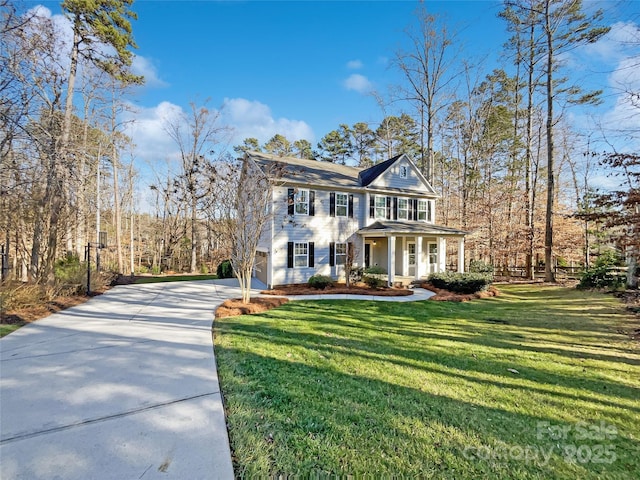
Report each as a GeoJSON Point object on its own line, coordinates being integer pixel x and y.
{"type": "Point", "coordinates": [359, 83]}
{"type": "Point", "coordinates": [146, 126]}
{"type": "Point", "coordinates": [354, 64]}
{"type": "Point", "coordinates": [255, 119]}
{"type": "Point", "coordinates": [145, 67]}
{"type": "Point", "coordinates": [611, 46]}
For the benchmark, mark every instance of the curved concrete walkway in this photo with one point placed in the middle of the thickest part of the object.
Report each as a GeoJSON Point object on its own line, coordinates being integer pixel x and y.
{"type": "Point", "coordinates": [121, 387]}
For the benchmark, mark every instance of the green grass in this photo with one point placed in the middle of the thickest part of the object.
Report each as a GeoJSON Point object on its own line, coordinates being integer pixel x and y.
{"type": "Point", "coordinates": [326, 388]}
{"type": "Point", "coordinates": [175, 278]}
{"type": "Point", "coordinates": [7, 329]}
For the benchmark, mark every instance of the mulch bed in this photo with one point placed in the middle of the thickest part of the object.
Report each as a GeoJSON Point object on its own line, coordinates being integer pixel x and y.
{"type": "Point", "coordinates": [360, 289]}
{"type": "Point", "coordinates": [36, 312]}
{"type": "Point", "coordinates": [447, 296]}
{"type": "Point", "coordinates": [234, 307]}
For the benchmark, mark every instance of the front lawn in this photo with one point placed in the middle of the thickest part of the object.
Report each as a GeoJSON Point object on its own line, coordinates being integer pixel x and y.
{"type": "Point", "coordinates": [541, 382]}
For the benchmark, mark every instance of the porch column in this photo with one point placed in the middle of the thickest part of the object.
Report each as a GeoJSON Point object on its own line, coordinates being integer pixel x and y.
{"type": "Point", "coordinates": [361, 255]}
{"type": "Point", "coordinates": [391, 259]}
{"type": "Point", "coordinates": [418, 258]}
{"type": "Point", "coordinates": [461, 255]}
{"type": "Point", "coordinates": [442, 254]}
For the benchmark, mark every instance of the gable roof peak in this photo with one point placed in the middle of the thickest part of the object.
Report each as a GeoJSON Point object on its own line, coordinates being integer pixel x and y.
{"type": "Point", "coordinates": [368, 175]}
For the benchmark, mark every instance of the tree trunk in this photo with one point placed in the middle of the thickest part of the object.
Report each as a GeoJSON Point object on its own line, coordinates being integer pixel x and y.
{"type": "Point", "coordinates": [116, 207]}
{"type": "Point", "coordinates": [549, 274]}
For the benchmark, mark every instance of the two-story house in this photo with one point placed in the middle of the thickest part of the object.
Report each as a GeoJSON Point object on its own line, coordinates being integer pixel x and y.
{"type": "Point", "coordinates": [321, 211]}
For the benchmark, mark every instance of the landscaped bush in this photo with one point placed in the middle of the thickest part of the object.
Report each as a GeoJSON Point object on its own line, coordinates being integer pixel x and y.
{"type": "Point", "coordinates": [70, 275]}
{"type": "Point", "coordinates": [225, 270]}
{"type": "Point", "coordinates": [602, 274]}
{"type": "Point", "coordinates": [372, 276]}
{"type": "Point", "coordinates": [320, 282]}
{"type": "Point", "coordinates": [478, 266]}
{"type": "Point", "coordinates": [461, 282]}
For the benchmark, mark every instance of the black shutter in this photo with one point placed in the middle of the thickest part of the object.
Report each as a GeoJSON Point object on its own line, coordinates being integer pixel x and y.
{"type": "Point", "coordinates": [388, 208]}
{"type": "Point", "coordinates": [312, 198]}
{"type": "Point", "coordinates": [372, 206]}
{"type": "Point", "coordinates": [332, 254]}
{"type": "Point", "coordinates": [311, 255]}
{"type": "Point", "coordinates": [332, 204]}
{"type": "Point", "coordinates": [351, 206]}
{"type": "Point", "coordinates": [395, 208]}
{"type": "Point", "coordinates": [290, 255]}
{"type": "Point", "coordinates": [414, 208]}
{"type": "Point", "coordinates": [290, 201]}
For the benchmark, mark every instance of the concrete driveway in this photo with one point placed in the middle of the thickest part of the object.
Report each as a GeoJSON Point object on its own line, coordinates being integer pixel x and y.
{"type": "Point", "coordinates": [122, 387]}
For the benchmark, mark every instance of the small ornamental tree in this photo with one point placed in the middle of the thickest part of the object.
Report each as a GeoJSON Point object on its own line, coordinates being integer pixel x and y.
{"type": "Point", "coordinates": [247, 209]}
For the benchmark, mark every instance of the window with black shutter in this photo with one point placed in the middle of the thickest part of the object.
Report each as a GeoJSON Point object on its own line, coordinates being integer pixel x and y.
{"type": "Point", "coordinates": [312, 198]}
{"type": "Point", "coordinates": [332, 204]}
{"type": "Point", "coordinates": [332, 253]}
{"type": "Point", "coordinates": [290, 255]}
{"type": "Point", "coordinates": [388, 208]}
{"type": "Point", "coordinates": [351, 206]}
{"type": "Point", "coordinates": [372, 206]}
{"type": "Point", "coordinates": [311, 255]}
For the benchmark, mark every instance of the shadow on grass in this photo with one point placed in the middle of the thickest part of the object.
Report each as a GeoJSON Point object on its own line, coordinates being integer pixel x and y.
{"type": "Point", "coordinates": [306, 420]}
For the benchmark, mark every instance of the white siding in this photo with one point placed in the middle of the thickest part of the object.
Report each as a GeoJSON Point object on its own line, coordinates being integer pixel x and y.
{"type": "Point", "coordinates": [320, 228]}
{"type": "Point", "coordinates": [391, 178]}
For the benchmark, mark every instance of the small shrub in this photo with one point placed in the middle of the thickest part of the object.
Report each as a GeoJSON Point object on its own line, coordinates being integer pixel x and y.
{"type": "Point", "coordinates": [372, 276]}
{"type": "Point", "coordinates": [320, 282]}
{"type": "Point", "coordinates": [204, 269]}
{"type": "Point", "coordinates": [602, 273]}
{"type": "Point", "coordinates": [156, 270]}
{"type": "Point", "coordinates": [461, 282]}
{"type": "Point", "coordinates": [478, 266]}
{"type": "Point", "coordinates": [356, 274]}
{"type": "Point", "coordinates": [225, 270]}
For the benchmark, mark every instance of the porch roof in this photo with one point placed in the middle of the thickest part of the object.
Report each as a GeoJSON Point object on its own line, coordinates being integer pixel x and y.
{"type": "Point", "coordinates": [385, 228]}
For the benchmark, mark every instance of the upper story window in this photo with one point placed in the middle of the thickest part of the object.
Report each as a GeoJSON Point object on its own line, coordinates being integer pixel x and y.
{"type": "Point", "coordinates": [422, 210]}
{"type": "Point", "coordinates": [381, 206]}
{"type": "Point", "coordinates": [403, 171]}
{"type": "Point", "coordinates": [425, 211]}
{"type": "Point", "coordinates": [301, 201]}
{"type": "Point", "coordinates": [342, 205]}
{"type": "Point", "coordinates": [403, 209]}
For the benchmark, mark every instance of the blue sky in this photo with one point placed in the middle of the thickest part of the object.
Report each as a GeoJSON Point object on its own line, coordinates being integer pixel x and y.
{"type": "Point", "coordinates": [303, 68]}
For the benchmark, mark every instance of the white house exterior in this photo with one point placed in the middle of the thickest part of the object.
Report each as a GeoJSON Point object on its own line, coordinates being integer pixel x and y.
{"type": "Point", "coordinates": [385, 214]}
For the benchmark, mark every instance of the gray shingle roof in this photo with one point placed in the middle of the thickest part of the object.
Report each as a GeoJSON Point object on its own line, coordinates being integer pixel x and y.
{"type": "Point", "coordinates": [400, 227]}
{"type": "Point", "coordinates": [370, 174]}
{"type": "Point", "coordinates": [313, 172]}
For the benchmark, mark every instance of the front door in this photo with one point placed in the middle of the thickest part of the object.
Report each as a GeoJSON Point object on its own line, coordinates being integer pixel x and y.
{"type": "Point", "coordinates": [411, 259]}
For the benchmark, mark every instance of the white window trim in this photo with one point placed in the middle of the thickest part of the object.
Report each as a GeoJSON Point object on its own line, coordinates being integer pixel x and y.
{"type": "Point", "coordinates": [296, 201]}
{"type": "Point", "coordinates": [345, 254]}
{"type": "Point", "coordinates": [376, 207]}
{"type": "Point", "coordinates": [406, 209]}
{"type": "Point", "coordinates": [404, 171]}
{"type": "Point", "coordinates": [425, 203]}
{"type": "Point", "coordinates": [296, 255]}
{"type": "Point", "coordinates": [346, 204]}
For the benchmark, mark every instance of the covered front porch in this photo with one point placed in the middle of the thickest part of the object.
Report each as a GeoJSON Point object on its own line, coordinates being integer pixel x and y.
{"type": "Point", "coordinates": [409, 250]}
